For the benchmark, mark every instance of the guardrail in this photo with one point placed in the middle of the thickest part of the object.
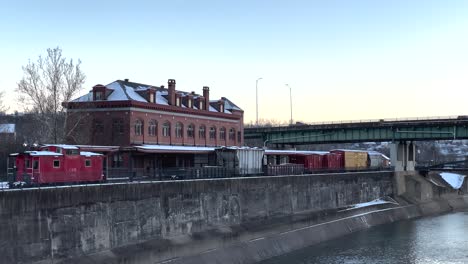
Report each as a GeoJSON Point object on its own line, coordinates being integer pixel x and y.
{"type": "Point", "coordinates": [364, 121]}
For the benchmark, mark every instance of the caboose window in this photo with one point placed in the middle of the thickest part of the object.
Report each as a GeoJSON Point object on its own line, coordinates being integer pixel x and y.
{"type": "Point", "coordinates": [58, 150]}
{"type": "Point", "coordinates": [72, 152]}
{"type": "Point", "coordinates": [28, 163]}
{"type": "Point", "coordinates": [56, 163]}
{"type": "Point", "coordinates": [35, 164]}
{"type": "Point", "coordinates": [88, 163]}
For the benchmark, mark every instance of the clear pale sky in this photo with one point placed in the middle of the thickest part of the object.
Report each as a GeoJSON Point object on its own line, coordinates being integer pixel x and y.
{"type": "Point", "coordinates": [345, 60]}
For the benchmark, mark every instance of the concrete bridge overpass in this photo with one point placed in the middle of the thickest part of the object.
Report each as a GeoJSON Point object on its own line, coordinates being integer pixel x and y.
{"type": "Point", "coordinates": [445, 128]}
{"type": "Point", "coordinates": [401, 133]}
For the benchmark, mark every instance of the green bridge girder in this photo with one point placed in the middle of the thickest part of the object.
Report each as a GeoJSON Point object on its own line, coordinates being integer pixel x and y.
{"type": "Point", "coordinates": [378, 131]}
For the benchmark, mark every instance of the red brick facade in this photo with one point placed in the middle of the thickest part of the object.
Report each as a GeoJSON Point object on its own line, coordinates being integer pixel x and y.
{"type": "Point", "coordinates": [131, 122]}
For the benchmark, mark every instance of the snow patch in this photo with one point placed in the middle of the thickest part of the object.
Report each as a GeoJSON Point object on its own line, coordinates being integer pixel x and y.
{"type": "Point", "coordinates": [455, 180]}
{"type": "Point", "coordinates": [371, 203]}
{"type": "Point", "coordinates": [88, 154]}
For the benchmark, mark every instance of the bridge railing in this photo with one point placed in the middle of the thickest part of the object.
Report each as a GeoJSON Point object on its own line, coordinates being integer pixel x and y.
{"type": "Point", "coordinates": [363, 121]}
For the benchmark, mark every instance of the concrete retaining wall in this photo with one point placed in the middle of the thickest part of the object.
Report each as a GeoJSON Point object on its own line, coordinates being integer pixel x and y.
{"type": "Point", "coordinates": [160, 221]}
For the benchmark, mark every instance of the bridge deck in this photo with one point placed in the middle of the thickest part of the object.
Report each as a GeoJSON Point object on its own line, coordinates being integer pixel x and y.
{"type": "Point", "coordinates": [371, 131]}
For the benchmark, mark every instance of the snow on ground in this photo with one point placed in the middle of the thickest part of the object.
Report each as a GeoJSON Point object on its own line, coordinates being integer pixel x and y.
{"type": "Point", "coordinates": [455, 180]}
{"type": "Point", "coordinates": [4, 185]}
{"type": "Point", "coordinates": [374, 202]}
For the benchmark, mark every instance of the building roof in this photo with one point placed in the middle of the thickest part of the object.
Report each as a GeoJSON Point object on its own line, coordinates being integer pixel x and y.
{"type": "Point", "coordinates": [294, 152]}
{"type": "Point", "coordinates": [7, 128]}
{"type": "Point", "coordinates": [129, 91]}
{"type": "Point", "coordinates": [173, 149]}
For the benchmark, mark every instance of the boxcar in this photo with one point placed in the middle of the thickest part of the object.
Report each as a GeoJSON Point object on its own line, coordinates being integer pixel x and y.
{"type": "Point", "coordinates": [242, 160]}
{"type": "Point", "coordinates": [334, 161]}
{"type": "Point", "coordinates": [312, 160]}
{"type": "Point", "coordinates": [378, 160]}
{"type": "Point", "coordinates": [353, 159]}
{"type": "Point", "coordinates": [57, 164]}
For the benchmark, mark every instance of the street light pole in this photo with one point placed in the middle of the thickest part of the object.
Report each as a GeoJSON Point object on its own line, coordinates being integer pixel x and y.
{"type": "Point", "coordinates": [290, 102]}
{"type": "Point", "coordinates": [256, 97]}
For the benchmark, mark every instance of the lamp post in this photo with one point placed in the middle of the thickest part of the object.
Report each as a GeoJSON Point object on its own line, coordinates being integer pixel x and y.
{"type": "Point", "coordinates": [256, 97]}
{"type": "Point", "coordinates": [290, 102]}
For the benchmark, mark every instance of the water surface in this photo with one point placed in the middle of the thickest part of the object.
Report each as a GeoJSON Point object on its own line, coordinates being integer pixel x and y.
{"type": "Point", "coordinates": [439, 239]}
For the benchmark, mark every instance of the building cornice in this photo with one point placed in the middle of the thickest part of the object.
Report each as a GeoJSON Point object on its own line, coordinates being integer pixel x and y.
{"type": "Point", "coordinates": [139, 106]}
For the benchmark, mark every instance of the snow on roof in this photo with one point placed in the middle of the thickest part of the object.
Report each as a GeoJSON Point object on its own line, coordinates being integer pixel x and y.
{"type": "Point", "coordinates": [61, 146]}
{"type": "Point", "coordinates": [173, 149]}
{"type": "Point", "coordinates": [98, 148]}
{"type": "Point", "coordinates": [85, 98]}
{"type": "Point", "coordinates": [455, 180]}
{"type": "Point", "coordinates": [43, 153]}
{"type": "Point", "coordinates": [7, 128]}
{"type": "Point", "coordinates": [212, 109]}
{"type": "Point", "coordinates": [237, 148]}
{"type": "Point", "coordinates": [118, 93]}
{"type": "Point", "coordinates": [376, 153]}
{"type": "Point", "coordinates": [123, 91]}
{"type": "Point", "coordinates": [160, 99]}
{"type": "Point", "coordinates": [89, 154]}
{"type": "Point", "coordinates": [230, 105]}
{"type": "Point", "coordinates": [134, 95]}
{"type": "Point", "coordinates": [349, 150]}
{"type": "Point", "coordinates": [292, 152]}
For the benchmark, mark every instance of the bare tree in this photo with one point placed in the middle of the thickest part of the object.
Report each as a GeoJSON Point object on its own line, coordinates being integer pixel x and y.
{"type": "Point", "coordinates": [3, 108]}
{"type": "Point", "coordinates": [45, 85]}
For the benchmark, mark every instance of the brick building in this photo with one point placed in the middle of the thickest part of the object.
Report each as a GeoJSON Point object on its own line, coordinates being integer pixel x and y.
{"type": "Point", "coordinates": [126, 114]}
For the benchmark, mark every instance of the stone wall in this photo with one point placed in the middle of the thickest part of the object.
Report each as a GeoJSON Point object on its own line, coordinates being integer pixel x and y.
{"type": "Point", "coordinates": [158, 221]}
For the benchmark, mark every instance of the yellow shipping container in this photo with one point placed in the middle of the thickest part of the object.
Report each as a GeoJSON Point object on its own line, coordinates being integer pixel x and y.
{"type": "Point", "coordinates": [354, 159]}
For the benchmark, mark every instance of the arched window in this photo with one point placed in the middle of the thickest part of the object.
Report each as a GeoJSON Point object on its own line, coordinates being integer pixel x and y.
{"type": "Point", "coordinates": [212, 132]}
{"type": "Point", "coordinates": [138, 127]}
{"type": "Point", "coordinates": [232, 134]}
{"type": "Point", "coordinates": [166, 129]}
{"type": "Point", "coordinates": [190, 131]}
{"type": "Point", "coordinates": [179, 132]}
{"type": "Point", "coordinates": [98, 126]}
{"type": "Point", "coordinates": [117, 126]}
{"type": "Point", "coordinates": [222, 133]}
{"type": "Point", "coordinates": [201, 132]}
{"type": "Point", "coordinates": [152, 128]}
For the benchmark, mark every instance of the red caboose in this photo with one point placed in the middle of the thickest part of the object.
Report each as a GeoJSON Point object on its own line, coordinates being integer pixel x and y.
{"type": "Point", "coordinates": [58, 164]}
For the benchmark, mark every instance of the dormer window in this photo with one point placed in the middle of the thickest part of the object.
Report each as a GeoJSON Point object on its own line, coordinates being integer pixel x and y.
{"type": "Point", "coordinates": [151, 97]}
{"type": "Point", "coordinates": [99, 96]}
{"type": "Point", "coordinates": [189, 103]}
{"type": "Point", "coordinates": [178, 101]}
{"type": "Point", "coordinates": [201, 105]}
{"type": "Point", "coordinates": [99, 92]}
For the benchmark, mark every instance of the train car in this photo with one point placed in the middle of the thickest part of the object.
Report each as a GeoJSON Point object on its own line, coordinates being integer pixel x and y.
{"type": "Point", "coordinates": [312, 160]}
{"type": "Point", "coordinates": [352, 159]}
{"type": "Point", "coordinates": [378, 160]}
{"type": "Point", "coordinates": [243, 160]}
{"type": "Point", "coordinates": [52, 164]}
{"type": "Point", "coordinates": [334, 161]}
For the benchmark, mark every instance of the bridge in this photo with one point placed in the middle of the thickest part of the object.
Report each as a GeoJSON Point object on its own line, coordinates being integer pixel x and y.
{"type": "Point", "coordinates": [401, 133]}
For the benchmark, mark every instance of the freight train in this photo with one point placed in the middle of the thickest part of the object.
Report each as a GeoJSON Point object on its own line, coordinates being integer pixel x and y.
{"type": "Point", "coordinates": [55, 164]}
{"type": "Point", "coordinates": [333, 160]}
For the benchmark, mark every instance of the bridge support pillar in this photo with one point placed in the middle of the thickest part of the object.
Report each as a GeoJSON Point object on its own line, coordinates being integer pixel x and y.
{"type": "Point", "coordinates": [403, 155]}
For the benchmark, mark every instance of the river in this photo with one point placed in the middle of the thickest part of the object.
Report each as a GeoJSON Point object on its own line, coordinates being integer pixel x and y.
{"type": "Point", "coordinates": [439, 239]}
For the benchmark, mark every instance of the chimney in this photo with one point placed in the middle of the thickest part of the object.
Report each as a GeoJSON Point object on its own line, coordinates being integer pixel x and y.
{"type": "Point", "coordinates": [221, 106]}
{"type": "Point", "coordinates": [171, 91]}
{"type": "Point", "coordinates": [206, 95]}
{"type": "Point", "coordinates": [126, 80]}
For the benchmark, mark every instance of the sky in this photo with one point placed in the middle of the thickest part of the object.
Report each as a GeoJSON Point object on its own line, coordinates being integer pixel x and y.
{"type": "Point", "coordinates": [342, 59]}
